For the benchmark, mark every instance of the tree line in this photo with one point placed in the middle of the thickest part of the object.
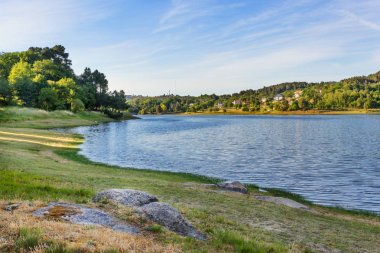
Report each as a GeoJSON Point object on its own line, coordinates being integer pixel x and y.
{"type": "Point", "coordinates": [362, 92]}
{"type": "Point", "coordinates": [43, 78]}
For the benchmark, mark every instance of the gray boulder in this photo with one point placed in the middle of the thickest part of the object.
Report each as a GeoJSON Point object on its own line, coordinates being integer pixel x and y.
{"type": "Point", "coordinates": [283, 201]}
{"type": "Point", "coordinates": [235, 186]}
{"type": "Point", "coordinates": [170, 218]}
{"type": "Point", "coordinates": [127, 197]}
{"type": "Point", "coordinates": [79, 214]}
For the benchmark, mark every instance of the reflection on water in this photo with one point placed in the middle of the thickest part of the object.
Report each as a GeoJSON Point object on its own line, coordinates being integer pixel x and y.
{"type": "Point", "coordinates": [331, 160]}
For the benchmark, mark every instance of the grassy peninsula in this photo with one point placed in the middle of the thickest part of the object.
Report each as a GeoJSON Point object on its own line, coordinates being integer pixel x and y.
{"type": "Point", "coordinates": [38, 166]}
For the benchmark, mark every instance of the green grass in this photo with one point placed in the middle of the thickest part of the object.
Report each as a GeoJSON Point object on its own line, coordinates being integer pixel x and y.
{"type": "Point", "coordinates": [233, 222]}
{"type": "Point", "coordinates": [23, 185]}
{"type": "Point", "coordinates": [28, 239]}
{"type": "Point", "coordinates": [35, 118]}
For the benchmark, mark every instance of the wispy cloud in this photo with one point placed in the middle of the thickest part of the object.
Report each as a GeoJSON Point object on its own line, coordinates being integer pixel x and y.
{"type": "Point", "coordinates": [362, 21]}
{"type": "Point", "coordinates": [201, 45]}
{"type": "Point", "coordinates": [182, 12]}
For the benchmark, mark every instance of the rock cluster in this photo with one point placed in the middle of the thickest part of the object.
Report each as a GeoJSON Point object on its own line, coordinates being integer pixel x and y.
{"type": "Point", "coordinates": [155, 211]}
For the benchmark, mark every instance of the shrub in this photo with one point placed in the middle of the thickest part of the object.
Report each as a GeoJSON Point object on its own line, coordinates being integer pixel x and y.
{"type": "Point", "coordinates": [77, 105]}
{"type": "Point", "coordinates": [245, 109]}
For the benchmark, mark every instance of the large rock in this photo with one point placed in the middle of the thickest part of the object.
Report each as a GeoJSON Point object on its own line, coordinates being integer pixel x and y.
{"type": "Point", "coordinates": [79, 214]}
{"type": "Point", "coordinates": [170, 218]}
{"type": "Point", "coordinates": [235, 186]}
{"type": "Point", "coordinates": [128, 197]}
{"type": "Point", "coordinates": [283, 201]}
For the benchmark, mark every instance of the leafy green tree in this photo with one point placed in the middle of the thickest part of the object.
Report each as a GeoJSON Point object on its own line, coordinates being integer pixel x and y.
{"type": "Point", "coordinates": [5, 92]}
{"type": "Point", "coordinates": [20, 72]}
{"type": "Point", "coordinates": [65, 88]}
{"type": "Point", "coordinates": [20, 78]}
{"type": "Point", "coordinates": [48, 70]}
{"type": "Point", "coordinates": [7, 60]}
{"type": "Point", "coordinates": [48, 99]}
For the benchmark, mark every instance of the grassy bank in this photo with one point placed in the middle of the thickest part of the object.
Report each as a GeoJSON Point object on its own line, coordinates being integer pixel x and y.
{"type": "Point", "coordinates": [40, 119]}
{"type": "Point", "coordinates": [39, 166]}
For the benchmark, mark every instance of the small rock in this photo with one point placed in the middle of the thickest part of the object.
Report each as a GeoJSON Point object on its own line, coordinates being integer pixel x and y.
{"type": "Point", "coordinates": [169, 217]}
{"type": "Point", "coordinates": [128, 197]}
{"type": "Point", "coordinates": [79, 214]}
{"type": "Point", "coordinates": [235, 186]}
{"type": "Point", "coordinates": [12, 207]}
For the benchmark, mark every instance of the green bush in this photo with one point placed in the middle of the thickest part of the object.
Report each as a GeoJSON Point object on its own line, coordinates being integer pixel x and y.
{"type": "Point", "coordinates": [77, 105]}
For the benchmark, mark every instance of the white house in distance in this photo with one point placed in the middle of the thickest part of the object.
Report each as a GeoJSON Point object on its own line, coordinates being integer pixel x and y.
{"type": "Point", "coordinates": [263, 99]}
{"type": "Point", "coordinates": [278, 97]}
{"type": "Point", "coordinates": [219, 105]}
{"type": "Point", "coordinates": [297, 94]}
{"type": "Point", "coordinates": [236, 102]}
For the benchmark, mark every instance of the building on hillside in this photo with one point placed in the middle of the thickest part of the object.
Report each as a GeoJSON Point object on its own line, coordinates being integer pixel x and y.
{"type": "Point", "coordinates": [219, 105]}
{"type": "Point", "coordinates": [236, 102]}
{"type": "Point", "coordinates": [263, 100]}
{"type": "Point", "coordinates": [278, 97]}
{"type": "Point", "coordinates": [297, 94]}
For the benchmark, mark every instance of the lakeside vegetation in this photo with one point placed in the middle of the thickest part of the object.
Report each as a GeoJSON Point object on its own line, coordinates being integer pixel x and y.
{"type": "Point", "coordinates": [356, 94]}
{"type": "Point", "coordinates": [43, 78]}
{"type": "Point", "coordinates": [39, 166]}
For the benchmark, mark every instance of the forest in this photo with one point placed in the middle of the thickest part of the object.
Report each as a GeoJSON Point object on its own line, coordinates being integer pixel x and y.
{"type": "Point", "coordinates": [43, 78]}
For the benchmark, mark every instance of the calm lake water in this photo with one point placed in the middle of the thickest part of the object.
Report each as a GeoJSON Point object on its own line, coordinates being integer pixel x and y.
{"type": "Point", "coordinates": [330, 160]}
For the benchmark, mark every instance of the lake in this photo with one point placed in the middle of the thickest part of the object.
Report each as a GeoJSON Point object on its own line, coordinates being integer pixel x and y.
{"type": "Point", "coordinates": [330, 160]}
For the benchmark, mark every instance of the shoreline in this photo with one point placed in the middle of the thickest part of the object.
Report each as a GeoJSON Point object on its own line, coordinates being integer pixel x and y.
{"type": "Point", "coordinates": [274, 113]}
{"type": "Point", "coordinates": [41, 166]}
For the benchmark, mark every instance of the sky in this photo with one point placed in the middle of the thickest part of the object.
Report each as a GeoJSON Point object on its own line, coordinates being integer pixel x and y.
{"type": "Point", "coordinates": [193, 47]}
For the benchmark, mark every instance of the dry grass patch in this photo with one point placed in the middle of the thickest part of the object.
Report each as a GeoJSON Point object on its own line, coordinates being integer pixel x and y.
{"type": "Point", "coordinates": [78, 237]}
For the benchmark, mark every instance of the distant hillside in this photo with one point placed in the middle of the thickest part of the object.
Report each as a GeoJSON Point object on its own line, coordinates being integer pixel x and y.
{"type": "Point", "coordinates": [361, 92]}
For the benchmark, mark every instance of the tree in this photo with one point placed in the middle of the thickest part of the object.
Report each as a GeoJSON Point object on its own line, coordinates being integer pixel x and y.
{"type": "Point", "coordinates": [5, 92]}
{"type": "Point", "coordinates": [20, 78]}
{"type": "Point", "coordinates": [7, 60]}
{"type": "Point", "coordinates": [20, 72]}
{"type": "Point", "coordinates": [48, 99]}
{"type": "Point", "coordinates": [48, 70]}
{"type": "Point", "coordinates": [65, 88]}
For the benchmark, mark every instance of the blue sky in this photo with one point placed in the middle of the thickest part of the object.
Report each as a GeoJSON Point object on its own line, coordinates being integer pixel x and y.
{"type": "Point", "coordinates": [193, 47]}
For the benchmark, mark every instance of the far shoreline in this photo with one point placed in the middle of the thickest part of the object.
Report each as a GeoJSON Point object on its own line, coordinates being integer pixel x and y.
{"type": "Point", "coordinates": [274, 113]}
